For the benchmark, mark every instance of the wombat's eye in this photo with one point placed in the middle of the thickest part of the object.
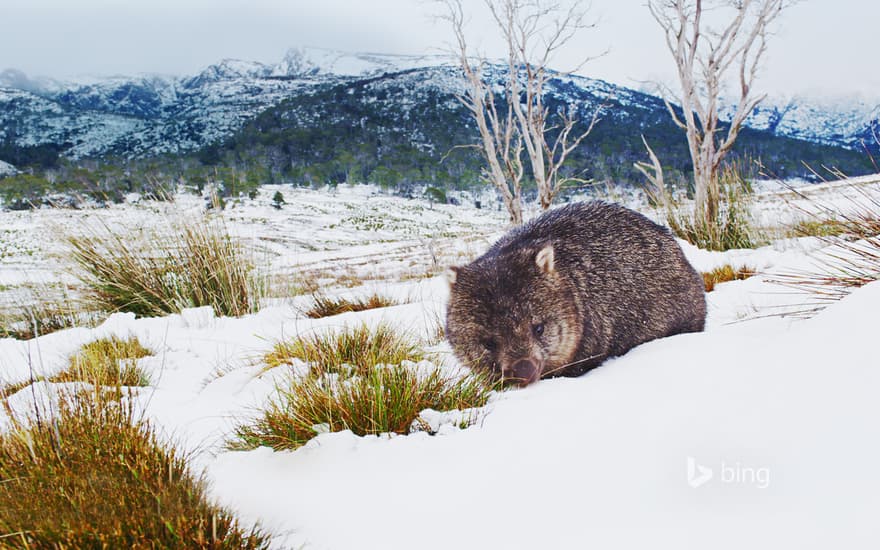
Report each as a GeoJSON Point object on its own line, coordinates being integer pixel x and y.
{"type": "Point", "coordinates": [538, 329]}
{"type": "Point", "coordinates": [490, 344]}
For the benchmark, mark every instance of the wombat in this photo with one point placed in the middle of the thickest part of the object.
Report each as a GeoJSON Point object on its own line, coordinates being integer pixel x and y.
{"type": "Point", "coordinates": [560, 294]}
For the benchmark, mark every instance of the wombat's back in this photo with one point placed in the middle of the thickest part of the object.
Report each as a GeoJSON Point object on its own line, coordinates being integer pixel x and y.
{"type": "Point", "coordinates": [637, 284]}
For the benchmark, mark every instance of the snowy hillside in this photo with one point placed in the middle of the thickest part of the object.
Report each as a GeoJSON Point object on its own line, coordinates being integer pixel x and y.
{"type": "Point", "coordinates": [830, 120]}
{"type": "Point", "coordinates": [146, 115]}
{"type": "Point", "coordinates": [154, 114]}
{"type": "Point", "coordinates": [7, 169]}
{"type": "Point", "coordinates": [759, 433]}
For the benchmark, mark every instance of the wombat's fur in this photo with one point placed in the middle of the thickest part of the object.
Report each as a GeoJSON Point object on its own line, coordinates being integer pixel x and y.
{"type": "Point", "coordinates": [572, 287]}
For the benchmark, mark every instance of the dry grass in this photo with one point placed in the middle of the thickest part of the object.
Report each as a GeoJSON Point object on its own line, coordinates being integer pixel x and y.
{"type": "Point", "coordinates": [724, 274]}
{"type": "Point", "coordinates": [851, 258]}
{"type": "Point", "coordinates": [732, 226]}
{"type": "Point", "coordinates": [353, 350]}
{"type": "Point", "coordinates": [42, 310]}
{"type": "Point", "coordinates": [105, 362]}
{"type": "Point", "coordinates": [378, 400]}
{"type": "Point", "coordinates": [196, 263]}
{"type": "Point", "coordinates": [93, 477]}
{"type": "Point", "coordinates": [325, 306]}
{"type": "Point", "coordinates": [356, 382]}
{"type": "Point", "coordinates": [816, 228]}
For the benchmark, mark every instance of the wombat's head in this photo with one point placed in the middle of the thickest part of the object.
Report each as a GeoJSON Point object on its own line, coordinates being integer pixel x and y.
{"type": "Point", "coordinates": [513, 315]}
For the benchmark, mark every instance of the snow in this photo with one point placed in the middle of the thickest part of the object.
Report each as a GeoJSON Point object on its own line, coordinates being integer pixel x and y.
{"type": "Point", "coordinates": [148, 114]}
{"type": "Point", "coordinates": [7, 169]}
{"type": "Point", "coordinates": [781, 412]}
{"type": "Point", "coordinates": [813, 116]}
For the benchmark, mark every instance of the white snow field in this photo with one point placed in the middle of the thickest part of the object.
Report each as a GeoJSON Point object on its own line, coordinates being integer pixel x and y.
{"type": "Point", "coordinates": [761, 432]}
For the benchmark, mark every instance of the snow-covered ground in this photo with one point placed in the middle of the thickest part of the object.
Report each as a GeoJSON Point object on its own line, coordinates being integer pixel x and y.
{"type": "Point", "coordinates": [760, 432]}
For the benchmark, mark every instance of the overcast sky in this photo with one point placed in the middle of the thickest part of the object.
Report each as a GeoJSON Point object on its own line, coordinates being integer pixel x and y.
{"type": "Point", "coordinates": [823, 46]}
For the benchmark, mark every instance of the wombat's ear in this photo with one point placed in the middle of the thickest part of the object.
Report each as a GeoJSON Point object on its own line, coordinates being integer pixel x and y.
{"type": "Point", "coordinates": [544, 259]}
{"type": "Point", "coordinates": [452, 275]}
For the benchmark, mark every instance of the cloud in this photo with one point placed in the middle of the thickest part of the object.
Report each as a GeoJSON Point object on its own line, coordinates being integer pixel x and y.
{"type": "Point", "coordinates": [821, 45]}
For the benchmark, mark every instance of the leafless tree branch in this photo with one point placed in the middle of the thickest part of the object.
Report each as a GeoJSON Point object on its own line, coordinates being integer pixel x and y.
{"type": "Point", "coordinates": [703, 56]}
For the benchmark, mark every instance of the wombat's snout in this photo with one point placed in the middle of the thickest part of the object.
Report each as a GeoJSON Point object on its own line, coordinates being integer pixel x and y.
{"type": "Point", "coordinates": [522, 372]}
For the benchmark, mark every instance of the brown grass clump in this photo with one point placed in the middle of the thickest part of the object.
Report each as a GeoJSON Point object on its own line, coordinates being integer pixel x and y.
{"type": "Point", "coordinates": [817, 228]}
{"type": "Point", "coordinates": [353, 350]}
{"type": "Point", "coordinates": [105, 362]}
{"type": "Point", "coordinates": [194, 263]}
{"type": "Point", "coordinates": [724, 274]}
{"type": "Point", "coordinates": [380, 400]}
{"type": "Point", "coordinates": [92, 477]}
{"type": "Point", "coordinates": [356, 382]}
{"type": "Point", "coordinates": [324, 306]}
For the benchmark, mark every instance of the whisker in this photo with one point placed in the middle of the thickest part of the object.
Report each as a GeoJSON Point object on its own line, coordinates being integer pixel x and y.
{"type": "Point", "coordinates": [572, 364]}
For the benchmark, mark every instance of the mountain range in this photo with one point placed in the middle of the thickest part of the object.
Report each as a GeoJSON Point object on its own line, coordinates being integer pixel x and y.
{"type": "Point", "coordinates": [246, 109]}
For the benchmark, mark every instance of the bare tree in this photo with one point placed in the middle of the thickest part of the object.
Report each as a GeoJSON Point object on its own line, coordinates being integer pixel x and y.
{"type": "Point", "coordinates": [654, 173]}
{"type": "Point", "coordinates": [533, 30]}
{"type": "Point", "coordinates": [500, 141]}
{"type": "Point", "coordinates": [703, 56]}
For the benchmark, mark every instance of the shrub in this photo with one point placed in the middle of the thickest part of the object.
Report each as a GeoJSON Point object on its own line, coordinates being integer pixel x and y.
{"type": "Point", "coordinates": [197, 263]}
{"type": "Point", "coordinates": [93, 478]}
{"type": "Point", "coordinates": [378, 400]}
{"type": "Point", "coordinates": [324, 306]}
{"type": "Point", "coordinates": [352, 350]}
{"type": "Point", "coordinates": [725, 273]}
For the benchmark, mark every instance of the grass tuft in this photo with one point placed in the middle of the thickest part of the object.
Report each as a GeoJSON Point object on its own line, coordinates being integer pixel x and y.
{"type": "Point", "coordinates": [356, 382]}
{"type": "Point", "coordinates": [105, 362]}
{"type": "Point", "coordinates": [196, 263]}
{"type": "Point", "coordinates": [91, 477]}
{"type": "Point", "coordinates": [724, 274]}
{"type": "Point", "coordinates": [346, 352]}
{"type": "Point", "coordinates": [325, 306]}
{"type": "Point", "coordinates": [43, 310]}
{"type": "Point", "coordinates": [380, 400]}
{"type": "Point", "coordinates": [732, 225]}
{"type": "Point", "coordinates": [851, 258]}
{"type": "Point", "coordinates": [817, 228]}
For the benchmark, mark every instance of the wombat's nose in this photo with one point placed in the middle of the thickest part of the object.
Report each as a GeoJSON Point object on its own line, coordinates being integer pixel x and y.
{"type": "Point", "coordinates": [522, 372]}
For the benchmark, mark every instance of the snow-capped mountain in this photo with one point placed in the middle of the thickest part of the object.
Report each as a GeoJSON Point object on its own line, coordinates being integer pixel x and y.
{"type": "Point", "coordinates": [832, 120]}
{"type": "Point", "coordinates": [151, 114]}
{"type": "Point", "coordinates": [7, 169]}
{"type": "Point", "coordinates": [146, 115]}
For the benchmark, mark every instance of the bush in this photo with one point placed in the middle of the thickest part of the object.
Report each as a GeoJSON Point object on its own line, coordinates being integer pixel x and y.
{"type": "Point", "coordinates": [378, 400]}
{"type": "Point", "coordinates": [91, 477]}
{"type": "Point", "coordinates": [352, 350]}
{"type": "Point", "coordinates": [197, 263]}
